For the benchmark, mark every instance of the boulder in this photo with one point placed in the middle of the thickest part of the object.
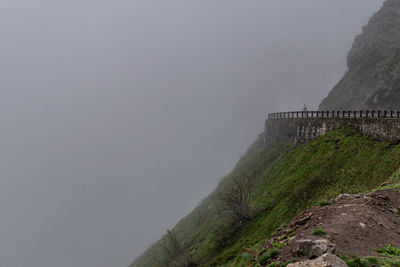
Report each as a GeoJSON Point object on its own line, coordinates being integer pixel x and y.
{"type": "Point", "coordinates": [302, 247]}
{"type": "Point", "coordinates": [312, 249]}
{"type": "Point", "coordinates": [326, 260]}
{"type": "Point", "coordinates": [320, 247]}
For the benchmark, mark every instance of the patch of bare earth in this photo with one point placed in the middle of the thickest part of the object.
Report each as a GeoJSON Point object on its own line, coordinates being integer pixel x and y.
{"type": "Point", "coordinates": [355, 224]}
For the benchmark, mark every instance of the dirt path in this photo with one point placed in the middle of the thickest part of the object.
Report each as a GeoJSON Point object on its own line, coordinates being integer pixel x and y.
{"type": "Point", "coordinates": [357, 225]}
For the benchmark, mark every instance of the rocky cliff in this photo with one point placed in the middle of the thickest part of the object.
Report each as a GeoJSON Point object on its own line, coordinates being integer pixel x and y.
{"type": "Point", "coordinates": [373, 77]}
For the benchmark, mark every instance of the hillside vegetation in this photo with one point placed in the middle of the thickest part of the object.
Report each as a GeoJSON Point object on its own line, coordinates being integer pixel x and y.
{"type": "Point", "coordinates": [285, 180]}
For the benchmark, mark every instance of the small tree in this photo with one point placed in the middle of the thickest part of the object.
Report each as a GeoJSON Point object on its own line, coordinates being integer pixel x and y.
{"type": "Point", "coordinates": [176, 255]}
{"type": "Point", "coordinates": [234, 201]}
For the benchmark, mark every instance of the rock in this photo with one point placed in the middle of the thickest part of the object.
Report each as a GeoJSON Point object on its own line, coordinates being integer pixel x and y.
{"type": "Point", "coordinates": [340, 197]}
{"type": "Point", "coordinates": [395, 210]}
{"type": "Point", "coordinates": [303, 220]}
{"type": "Point", "coordinates": [302, 247]}
{"type": "Point", "coordinates": [312, 249]}
{"type": "Point", "coordinates": [362, 225]}
{"type": "Point", "coordinates": [320, 247]}
{"type": "Point", "coordinates": [326, 260]}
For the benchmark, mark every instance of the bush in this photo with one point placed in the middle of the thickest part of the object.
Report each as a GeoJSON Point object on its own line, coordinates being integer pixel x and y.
{"type": "Point", "coordinates": [317, 232]}
{"type": "Point", "coordinates": [270, 254]}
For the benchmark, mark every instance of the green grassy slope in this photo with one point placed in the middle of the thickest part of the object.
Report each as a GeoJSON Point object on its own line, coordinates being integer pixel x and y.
{"type": "Point", "coordinates": [289, 179]}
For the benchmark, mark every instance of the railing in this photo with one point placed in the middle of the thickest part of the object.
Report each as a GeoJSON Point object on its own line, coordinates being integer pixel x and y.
{"type": "Point", "coordinates": [336, 114]}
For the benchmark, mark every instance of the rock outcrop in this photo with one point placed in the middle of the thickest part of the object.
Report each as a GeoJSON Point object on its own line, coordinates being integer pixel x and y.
{"type": "Point", "coordinates": [326, 260]}
{"type": "Point", "coordinates": [373, 77]}
{"type": "Point", "coordinates": [312, 249]}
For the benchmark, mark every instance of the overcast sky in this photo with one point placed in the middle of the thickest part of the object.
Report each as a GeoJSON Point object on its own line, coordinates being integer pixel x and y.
{"type": "Point", "coordinates": [117, 117]}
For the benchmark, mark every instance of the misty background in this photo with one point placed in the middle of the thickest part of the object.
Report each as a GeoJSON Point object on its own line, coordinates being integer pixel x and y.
{"type": "Point", "coordinates": [118, 117]}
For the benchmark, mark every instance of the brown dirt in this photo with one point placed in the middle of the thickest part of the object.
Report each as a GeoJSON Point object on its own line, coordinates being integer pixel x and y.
{"type": "Point", "coordinates": [357, 225]}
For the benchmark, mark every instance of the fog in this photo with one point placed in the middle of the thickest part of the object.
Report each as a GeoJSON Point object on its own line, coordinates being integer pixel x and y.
{"type": "Point", "coordinates": [118, 117]}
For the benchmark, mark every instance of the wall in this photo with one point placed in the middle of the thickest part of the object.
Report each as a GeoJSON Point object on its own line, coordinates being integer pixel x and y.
{"type": "Point", "coordinates": [300, 130]}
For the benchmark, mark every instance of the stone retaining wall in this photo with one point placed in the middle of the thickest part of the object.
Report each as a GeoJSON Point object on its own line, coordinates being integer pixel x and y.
{"type": "Point", "coordinates": [300, 130]}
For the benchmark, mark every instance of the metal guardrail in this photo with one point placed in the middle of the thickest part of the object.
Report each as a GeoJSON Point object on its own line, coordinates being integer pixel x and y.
{"type": "Point", "coordinates": [335, 114]}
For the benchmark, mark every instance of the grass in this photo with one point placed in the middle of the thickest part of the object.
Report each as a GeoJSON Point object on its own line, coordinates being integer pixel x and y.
{"type": "Point", "coordinates": [390, 257]}
{"type": "Point", "coordinates": [389, 250]}
{"type": "Point", "coordinates": [324, 202]}
{"type": "Point", "coordinates": [318, 232]}
{"type": "Point", "coordinates": [289, 180]}
{"type": "Point", "coordinates": [270, 254]}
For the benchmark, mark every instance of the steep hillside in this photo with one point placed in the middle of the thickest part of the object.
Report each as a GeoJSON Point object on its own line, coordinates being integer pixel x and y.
{"type": "Point", "coordinates": [288, 179]}
{"type": "Point", "coordinates": [373, 77]}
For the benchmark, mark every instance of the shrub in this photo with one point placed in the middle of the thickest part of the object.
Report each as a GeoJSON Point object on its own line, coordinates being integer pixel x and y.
{"type": "Point", "coordinates": [234, 201]}
{"type": "Point", "coordinates": [317, 232]}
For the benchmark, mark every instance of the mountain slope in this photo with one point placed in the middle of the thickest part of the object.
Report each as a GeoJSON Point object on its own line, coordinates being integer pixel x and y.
{"type": "Point", "coordinates": [373, 76]}
{"type": "Point", "coordinates": [289, 179]}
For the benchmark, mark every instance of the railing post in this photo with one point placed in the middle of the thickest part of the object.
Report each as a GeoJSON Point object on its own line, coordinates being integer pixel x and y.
{"type": "Point", "coordinates": [379, 113]}
{"type": "Point", "coordinates": [391, 114]}
{"type": "Point", "coordinates": [398, 114]}
{"type": "Point", "coordinates": [355, 113]}
{"type": "Point", "coordinates": [384, 113]}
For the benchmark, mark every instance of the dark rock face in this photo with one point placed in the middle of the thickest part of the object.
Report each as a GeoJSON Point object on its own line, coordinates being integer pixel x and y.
{"type": "Point", "coordinates": [373, 77]}
{"type": "Point", "coordinates": [388, 95]}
